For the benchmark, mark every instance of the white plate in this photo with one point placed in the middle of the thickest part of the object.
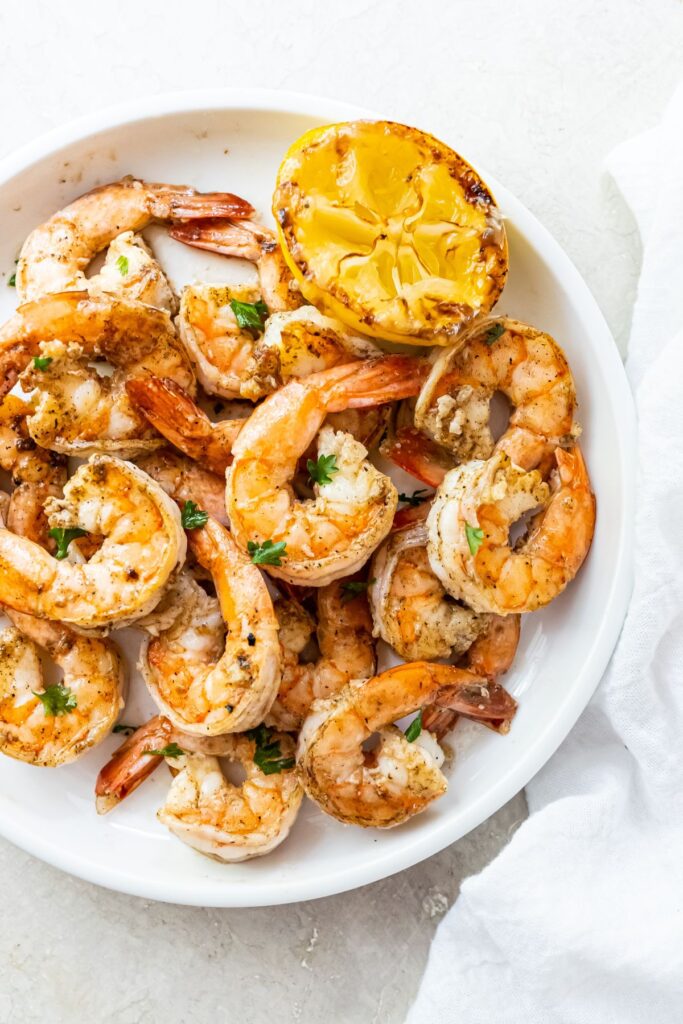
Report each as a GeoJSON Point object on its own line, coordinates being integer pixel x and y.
{"type": "Point", "coordinates": [234, 140]}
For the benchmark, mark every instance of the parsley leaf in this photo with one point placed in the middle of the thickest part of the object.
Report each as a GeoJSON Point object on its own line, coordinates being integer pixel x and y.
{"type": "Point", "coordinates": [64, 537]}
{"type": "Point", "coordinates": [122, 265]}
{"type": "Point", "coordinates": [249, 315]}
{"type": "Point", "coordinates": [122, 727]}
{"type": "Point", "coordinates": [268, 756]}
{"type": "Point", "coordinates": [57, 700]}
{"type": "Point", "coordinates": [320, 470]}
{"type": "Point", "coordinates": [267, 553]}
{"type": "Point", "coordinates": [415, 728]}
{"type": "Point", "coordinates": [41, 362]}
{"type": "Point", "coordinates": [494, 333]}
{"type": "Point", "coordinates": [475, 537]}
{"type": "Point", "coordinates": [170, 750]}
{"type": "Point", "coordinates": [193, 517]}
{"type": "Point", "coordinates": [416, 498]}
{"type": "Point", "coordinates": [12, 282]}
{"type": "Point", "coordinates": [354, 587]}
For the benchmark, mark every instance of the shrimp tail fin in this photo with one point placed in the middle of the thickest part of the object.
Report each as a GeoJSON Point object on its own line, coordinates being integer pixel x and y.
{"type": "Point", "coordinates": [245, 240]}
{"type": "Point", "coordinates": [131, 764]}
{"type": "Point", "coordinates": [481, 700]}
{"type": "Point", "coordinates": [374, 382]}
{"type": "Point", "coordinates": [418, 455]}
{"type": "Point", "coordinates": [187, 204]}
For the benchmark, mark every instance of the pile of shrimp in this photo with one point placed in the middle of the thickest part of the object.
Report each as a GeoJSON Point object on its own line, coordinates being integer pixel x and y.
{"type": "Point", "coordinates": [293, 610]}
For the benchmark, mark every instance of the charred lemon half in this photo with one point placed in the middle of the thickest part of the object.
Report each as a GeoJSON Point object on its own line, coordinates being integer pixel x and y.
{"type": "Point", "coordinates": [389, 230]}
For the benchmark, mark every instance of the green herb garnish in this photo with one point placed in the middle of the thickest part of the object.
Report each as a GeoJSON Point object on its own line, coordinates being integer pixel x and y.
{"type": "Point", "coordinates": [170, 750]}
{"type": "Point", "coordinates": [57, 700]}
{"type": "Point", "coordinates": [122, 727]}
{"type": "Point", "coordinates": [249, 315]}
{"type": "Point", "coordinates": [12, 282]}
{"type": "Point", "coordinates": [122, 265]}
{"type": "Point", "coordinates": [193, 517]}
{"type": "Point", "coordinates": [416, 498]}
{"type": "Point", "coordinates": [64, 537]}
{"type": "Point", "coordinates": [41, 362]}
{"type": "Point", "coordinates": [475, 537]}
{"type": "Point", "coordinates": [268, 756]}
{"type": "Point", "coordinates": [415, 728]}
{"type": "Point", "coordinates": [267, 553]}
{"type": "Point", "coordinates": [355, 587]}
{"type": "Point", "coordinates": [320, 471]}
{"type": "Point", "coordinates": [494, 333]}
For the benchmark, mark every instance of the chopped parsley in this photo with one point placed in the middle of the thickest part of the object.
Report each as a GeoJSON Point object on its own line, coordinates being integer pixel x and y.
{"type": "Point", "coordinates": [122, 727]}
{"type": "Point", "coordinates": [354, 587]}
{"type": "Point", "coordinates": [193, 517]}
{"type": "Point", "coordinates": [57, 700]}
{"type": "Point", "coordinates": [475, 537]}
{"type": "Point", "coordinates": [415, 728]}
{"type": "Point", "coordinates": [267, 553]}
{"type": "Point", "coordinates": [250, 316]}
{"type": "Point", "coordinates": [64, 536]}
{"type": "Point", "coordinates": [416, 498]}
{"type": "Point", "coordinates": [268, 756]}
{"type": "Point", "coordinates": [41, 362]}
{"type": "Point", "coordinates": [170, 750]}
{"type": "Point", "coordinates": [122, 265]}
{"type": "Point", "coordinates": [12, 282]}
{"type": "Point", "coordinates": [494, 333]}
{"type": "Point", "coordinates": [320, 471]}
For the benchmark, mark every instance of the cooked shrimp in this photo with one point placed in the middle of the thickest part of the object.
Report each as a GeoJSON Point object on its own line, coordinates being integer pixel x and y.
{"type": "Point", "coordinates": [527, 366]}
{"type": "Point", "coordinates": [491, 655]}
{"type": "Point", "coordinates": [333, 534]}
{"type": "Point", "coordinates": [186, 480]}
{"type": "Point", "coordinates": [209, 675]}
{"type": "Point", "coordinates": [143, 542]}
{"type": "Point", "coordinates": [469, 525]}
{"type": "Point", "coordinates": [225, 821]}
{"type": "Point", "coordinates": [247, 240]}
{"type": "Point", "coordinates": [49, 725]}
{"type": "Point", "coordinates": [56, 255]}
{"type": "Point", "coordinates": [397, 779]}
{"type": "Point", "coordinates": [411, 610]}
{"type": "Point", "coordinates": [344, 635]}
{"type": "Point", "coordinates": [180, 420]}
{"type": "Point", "coordinates": [248, 362]}
{"type": "Point", "coordinates": [131, 271]}
{"type": "Point", "coordinates": [77, 410]}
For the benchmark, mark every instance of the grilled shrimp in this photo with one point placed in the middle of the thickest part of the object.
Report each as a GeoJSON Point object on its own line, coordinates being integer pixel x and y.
{"type": "Point", "coordinates": [252, 242]}
{"type": "Point", "coordinates": [387, 785]}
{"type": "Point", "coordinates": [469, 524]}
{"type": "Point", "coordinates": [55, 255]}
{"type": "Point", "coordinates": [411, 610]}
{"type": "Point", "coordinates": [76, 410]}
{"type": "Point", "coordinates": [225, 821]}
{"type": "Point", "coordinates": [333, 534]}
{"type": "Point", "coordinates": [524, 364]}
{"type": "Point", "coordinates": [211, 674]}
{"type": "Point", "coordinates": [343, 629]}
{"type": "Point", "coordinates": [249, 362]}
{"type": "Point", "coordinates": [131, 271]}
{"type": "Point", "coordinates": [185, 480]}
{"type": "Point", "coordinates": [142, 543]}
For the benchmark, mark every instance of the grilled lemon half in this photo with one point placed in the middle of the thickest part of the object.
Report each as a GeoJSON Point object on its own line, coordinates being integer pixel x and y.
{"type": "Point", "coordinates": [389, 230]}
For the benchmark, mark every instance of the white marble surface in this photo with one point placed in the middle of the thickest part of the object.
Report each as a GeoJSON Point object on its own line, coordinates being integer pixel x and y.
{"type": "Point", "coordinates": [538, 94]}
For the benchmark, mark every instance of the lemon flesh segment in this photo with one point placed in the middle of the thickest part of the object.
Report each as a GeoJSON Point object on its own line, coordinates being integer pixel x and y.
{"type": "Point", "coordinates": [389, 230]}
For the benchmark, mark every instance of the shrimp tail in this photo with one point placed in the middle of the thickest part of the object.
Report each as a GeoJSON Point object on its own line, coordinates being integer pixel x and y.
{"type": "Point", "coordinates": [180, 202]}
{"type": "Point", "coordinates": [372, 382]}
{"type": "Point", "coordinates": [481, 700]}
{"type": "Point", "coordinates": [417, 454]}
{"type": "Point", "coordinates": [131, 764]}
{"type": "Point", "coordinates": [245, 240]}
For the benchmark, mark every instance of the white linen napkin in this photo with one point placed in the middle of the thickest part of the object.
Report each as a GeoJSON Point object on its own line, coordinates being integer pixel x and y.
{"type": "Point", "coordinates": [580, 919]}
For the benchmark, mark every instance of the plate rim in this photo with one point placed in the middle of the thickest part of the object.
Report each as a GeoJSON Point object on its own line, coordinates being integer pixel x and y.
{"type": "Point", "coordinates": [429, 841]}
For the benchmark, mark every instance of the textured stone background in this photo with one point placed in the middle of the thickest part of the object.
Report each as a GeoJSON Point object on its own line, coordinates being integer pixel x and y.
{"type": "Point", "coordinates": [539, 93]}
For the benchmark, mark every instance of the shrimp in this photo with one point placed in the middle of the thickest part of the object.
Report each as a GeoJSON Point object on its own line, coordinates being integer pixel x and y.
{"type": "Point", "coordinates": [410, 609]}
{"type": "Point", "coordinates": [53, 725]}
{"type": "Point", "coordinates": [344, 634]}
{"type": "Point", "coordinates": [524, 364]}
{"type": "Point", "coordinates": [333, 534]}
{"type": "Point", "coordinates": [211, 675]}
{"type": "Point", "coordinates": [470, 520]}
{"type": "Point", "coordinates": [250, 362]}
{"type": "Point", "coordinates": [214, 816]}
{"type": "Point", "coordinates": [185, 481]}
{"type": "Point", "coordinates": [131, 271]}
{"type": "Point", "coordinates": [248, 241]}
{"type": "Point", "coordinates": [142, 543]}
{"type": "Point", "coordinates": [55, 255]}
{"type": "Point", "coordinates": [180, 420]}
{"type": "Point", "coordinates": [387, 785]}
{"type": "Point", "coordinates": [76, 410]}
